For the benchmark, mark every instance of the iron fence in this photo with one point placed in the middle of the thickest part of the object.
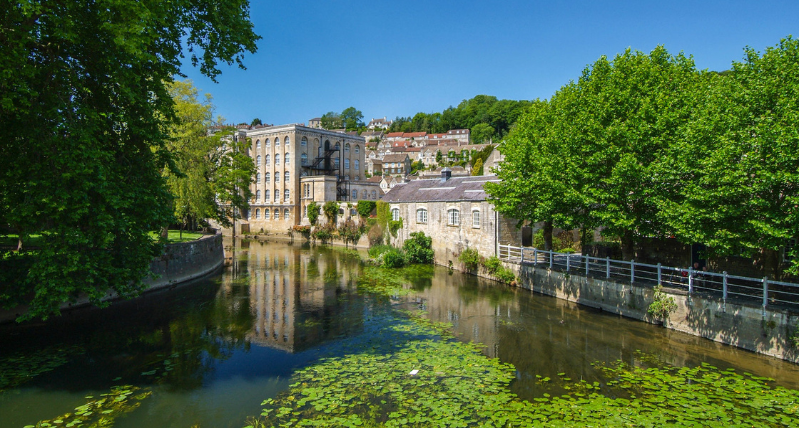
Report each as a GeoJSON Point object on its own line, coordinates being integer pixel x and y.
{"type": "Point", "coordinates": [765, 291]}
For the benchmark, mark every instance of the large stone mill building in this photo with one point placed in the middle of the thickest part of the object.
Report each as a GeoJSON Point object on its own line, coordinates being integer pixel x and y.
{"type": "Point", "coordinates": [297, 165]}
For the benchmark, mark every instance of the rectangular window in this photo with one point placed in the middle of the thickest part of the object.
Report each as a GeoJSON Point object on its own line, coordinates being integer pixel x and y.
{"type": "Point", "coordinates": [475, 218]}
{"type": "Point", "coordinates": [395, 214]}
{"type": "Point", "coordinates": [421, 216]}
{"type": "Point", "coordinates": [453, 218]}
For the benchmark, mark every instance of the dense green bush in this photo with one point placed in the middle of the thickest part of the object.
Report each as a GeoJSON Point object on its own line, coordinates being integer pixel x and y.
{"type": "Point", "coordinates": [394, 258]}
{"type": "Point", "coordinates": [377, 250]}
{"type": "Point", "coordinates": [418, 248]}
{"type": "Point", "coordinates": [365, 208]}
{"type": "Point", "coordinates": [331, 211]}
{"type": "Point", "coordinates": [470, 259]}
{"type": "Point", "coordinates": [493, 265]}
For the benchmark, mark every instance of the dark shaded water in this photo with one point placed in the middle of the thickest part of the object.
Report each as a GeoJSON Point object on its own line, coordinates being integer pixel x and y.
{"type": "Point", "coordinates": [212, 351]}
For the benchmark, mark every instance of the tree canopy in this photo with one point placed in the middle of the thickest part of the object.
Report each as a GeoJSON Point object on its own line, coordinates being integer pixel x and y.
{"type": "Point", "coordinates": [646, 145]}
{"type": "Point", "coordinates": [493, 118]}
{"type": "Point", "coordinates": [85, 110]}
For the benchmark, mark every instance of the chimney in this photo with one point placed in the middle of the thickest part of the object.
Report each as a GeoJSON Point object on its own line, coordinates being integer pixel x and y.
{"type": "Point", "coordinates": [446, 174]}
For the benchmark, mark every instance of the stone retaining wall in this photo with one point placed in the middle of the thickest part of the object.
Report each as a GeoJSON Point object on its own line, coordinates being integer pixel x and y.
{"type": "Point", "coordinates": [745, 326]}
{"type": "Point", "coordinates": [180, 262]}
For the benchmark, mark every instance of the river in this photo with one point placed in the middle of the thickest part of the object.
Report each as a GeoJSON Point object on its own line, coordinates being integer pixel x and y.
{"type": "Point", "coordinates": [207, 354]}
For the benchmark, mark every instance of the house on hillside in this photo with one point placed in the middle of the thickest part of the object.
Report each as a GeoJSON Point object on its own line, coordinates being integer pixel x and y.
{"type": "Point", "coordinates": [398, 163]}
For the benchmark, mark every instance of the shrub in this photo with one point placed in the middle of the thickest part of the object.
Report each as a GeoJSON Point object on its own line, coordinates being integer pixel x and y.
{"type": "Point", "coordinates": [313, 212]}
{"type": "Point", "coordinates": [394, 258]}
{"type": "Point", "coordinates": [493, 265]}
{"type": "Point", "coordinates": [418, 248]}
{"type": "Point", "coordinates": [505, 275]}
{"type": "Point", "coordinates": [331, 211]}
{"type": "Point", "coordinates": [375, 235]}
{"type": "Point", "coordinates": [394, 226]}
{"type": "Point", "coordinates": [350, 232]}
{"type": "Point", "coordinates": [365, 208]}
{"type": "Point", "coordinates": [377, 250]}
{"type": "Point", "coordinates": [324, 234]}
{"type": "Point", "coordinates": [470, 259]}
{"type": "Point", "coordinates": [662, 306]}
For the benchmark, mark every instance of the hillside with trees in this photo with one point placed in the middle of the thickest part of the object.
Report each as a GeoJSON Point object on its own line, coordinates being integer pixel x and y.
{"type": "Point", "coordinates": [485, 115]}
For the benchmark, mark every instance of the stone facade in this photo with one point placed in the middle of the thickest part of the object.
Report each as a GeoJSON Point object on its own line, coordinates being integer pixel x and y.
{"type": "Point", "coordinates": [455, 213]}
{"type": "Point", "coordinates": [285, 183]}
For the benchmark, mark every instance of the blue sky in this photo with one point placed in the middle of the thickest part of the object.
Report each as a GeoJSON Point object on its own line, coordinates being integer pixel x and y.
{"type": "Point", "coordinates": [390, 58]}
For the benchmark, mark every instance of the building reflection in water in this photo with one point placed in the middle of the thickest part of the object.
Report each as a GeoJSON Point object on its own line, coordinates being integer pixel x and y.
{"type": "Point", "coordinates": [301, 296]}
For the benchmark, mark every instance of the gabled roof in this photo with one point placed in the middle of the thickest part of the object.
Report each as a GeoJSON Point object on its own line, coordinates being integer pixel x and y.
{"type": "Point", "coordinates": [394, 134]}
{"type": "Point", "coordinates": [435, 190]}
{"type": "Point", "coordinates": [375, 179]}
{"type": "Point", "coordinates": [458, 131]}
{"type": "Point", "coordinates": [395, 157]}
{"type": "Point", "coordinates": [414, 134]}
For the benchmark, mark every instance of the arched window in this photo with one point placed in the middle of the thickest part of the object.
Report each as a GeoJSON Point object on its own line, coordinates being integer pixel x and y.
{"type": "Point", "coordinates": [266, 195]}
{"type": "Point", "coordinates": [267, 178]}
{"type": "Point", "coordinates": [258, 160]}
{"type": "Point", "coordinates": [267, 159]}
{"type": "Point", "coordinates": [286, 177]}
{"type": "Point", "coordinates": [475, 218]}
{"type": "Point", "coordinates": [277, 177]}
{"type": "Point", "coordinates": [268, 143]}
{"type": "Point", "coordinates": [354, 195]}
{"type": "Point", "coordinates": [257, 177]}
{"type": "Point", "coordinates": [347, 149]}
{"type": "Point", "coordinates": [357, 149]}
{"type": "Point", "coordinates": [277, 158]}
{"type": "Point", "coordinates": [304, 142]}
{"type": "Point", "coordinates": [277, 194]}
{"type": "Point", "coordinates": [277, 214]}
{"type": "Point", "coordinates": [286, 194]}
{"type": "Point", "coordinates": [257, 213]}
{"type": "Point", "coordinates": [346, 163]}
{"type": "Point", "coordinates": [421, 215]}
{"type": "Point", "coordinates": [286, 214]}
{"type": "Point", "coordinates": [357, 165]}
{"type": "Point", "coordinates": [357, 178]}
{"type": "Point", "coordinates": [338, 146]}
{"type": "Point", "coordinates": [287, 142]}
{"type": "Point", "coordinates": [287, 158]}
{"type": "Point", "coordinates": [364, 194]}
{"type": "Point", "coordinates": [257, 144]}
{"type": "Point", "coordinates": [305, 211]}
{"type": "Point", "coordinates": [277, 141]}
{"type": "Point", "coordinates": [336, 163]}
{"type": "Point", "coordinates": [395, 214]}
{"type": "Point", "coordinates": [374, 194]}
{"type": "Point", "coordinates": [257, 195]}
{"type": "Point", "coordinates": [304, 159]}
{"type": "Point", "coordinates": [453, 217]}
{"type": "Point", "coordinates": [266, 213]}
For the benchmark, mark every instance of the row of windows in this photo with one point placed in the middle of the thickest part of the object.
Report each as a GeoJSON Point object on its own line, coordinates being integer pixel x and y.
{"type": "Point", "coordinates": [306, 192]}
{"type": "Point", "coordinates": [268, 159]}
{"type": "Point", "coordinates": [286, 194]}
{"type": "Point", "coordinates": [268, 177]}
{"type": "Point", "coordinates": [453, 216]}
{"type": "Point", "coordinates": [304, 143]}
{"type": "Point", "coordinates": [276, 216]}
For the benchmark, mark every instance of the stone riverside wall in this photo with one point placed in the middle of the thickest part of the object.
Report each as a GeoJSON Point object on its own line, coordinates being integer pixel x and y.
{"type": "Point", "coordinates": [744, 326]}
{"type": "Point", "coordinates": [180, 262]}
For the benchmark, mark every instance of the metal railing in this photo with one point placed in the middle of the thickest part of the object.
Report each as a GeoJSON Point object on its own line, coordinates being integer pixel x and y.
{"type": "Point", "coordinates": [765, 291]}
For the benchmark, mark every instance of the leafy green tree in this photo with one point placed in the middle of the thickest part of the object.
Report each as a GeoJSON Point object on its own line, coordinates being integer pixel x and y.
{"type": "Point", "coordinates": [256, 121]}
{"type": "Point", "coordinates": [331, 120]}
{"type": "Point", "coordinates": [330, 208]}
{"type": "Point", "coordinates": [352, 119]}
{"type": "Point", "coordinates": [313, 212]}
{"type": "Point", "coordinates": [418, 248]}
{"type": "Point", "coordinates": [482, 132]}
{"type": "Point", "coordinates": [735, 175]}
{"type": "Point", "coordinates": [416, 166]}
{"type": "Point", "coordinates": [84, 109]}
{"type": "Point", "coordinates": [621, 119]}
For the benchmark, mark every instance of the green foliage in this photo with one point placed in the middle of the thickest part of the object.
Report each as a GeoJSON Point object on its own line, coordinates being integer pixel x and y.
{"type": "Point", "coordinates": [470, 259]}
{"type": "Point", "coordinates": [323, 233]}
{"type": "Point", "coordinates": [90, 81]}
{"type": "Point", "coordinates": [394, 226]}
{"type": "Point", "coordinates": [417, 166]}
{"type": "Point", "coordinates": [486, 116]}
{"type": "Point", "coordinates": [352, 118]}
{"type": "Point", "coordinates": [365, 208]}
{"type": "Point", "coordinates": [103, 410]}
{"type": "Point", "coordinates": [494, 267]}
{"type": "Point", "coordinates": [394, 258]}
{"type": "Point", "coordinates": [330, 208]}
{"type": "Point", "coordinates": [350, 232]}
{"type": "Point", "coordinates": [477, 168]}
{"type": "Point", "coordinates": [331, 120]}
{"type": "Point", "coordinates": [313, 212]}
{"type": "Point", "coordinates": [375, 251]}
{"type": "Point", "coordinates": [662, 305]}
{"type": "Point", "coordinates": [418, 248]}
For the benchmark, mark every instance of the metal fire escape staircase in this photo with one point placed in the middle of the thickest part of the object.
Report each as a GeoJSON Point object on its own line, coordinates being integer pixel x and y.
{"type": "Point", "coordinates": [324, 165]}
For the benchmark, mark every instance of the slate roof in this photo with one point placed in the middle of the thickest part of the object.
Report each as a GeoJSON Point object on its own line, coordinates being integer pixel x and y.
{"type": "Point", "coordinates": [434, 190]}
{"type": "Point", "coordinates": [395, 158]}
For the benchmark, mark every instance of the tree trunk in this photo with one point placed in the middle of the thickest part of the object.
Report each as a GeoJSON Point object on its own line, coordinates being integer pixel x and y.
{"type": "Point", "coordinates": [627, 246]}
{"type": "Point", "coordinates": [165, 232]}
{"type": "Point", "coordinates": [771, 261]}
{"type": "Point", "coordinates": [548, 235]}
{"type": "Point", "coordinates": [19, 242]}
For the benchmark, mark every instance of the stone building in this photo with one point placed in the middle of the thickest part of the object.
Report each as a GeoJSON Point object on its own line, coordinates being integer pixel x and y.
{"type": "Point", "coordinates": [315, 123]}
{"type": "Point", "coordinates": [455, 212]}
{"type": "Point", "coordinates": [297, 165]}
{"type": "Point", "coordinates": [399, 163]}
{"type": "Point", "coordinates": [379, 123]}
